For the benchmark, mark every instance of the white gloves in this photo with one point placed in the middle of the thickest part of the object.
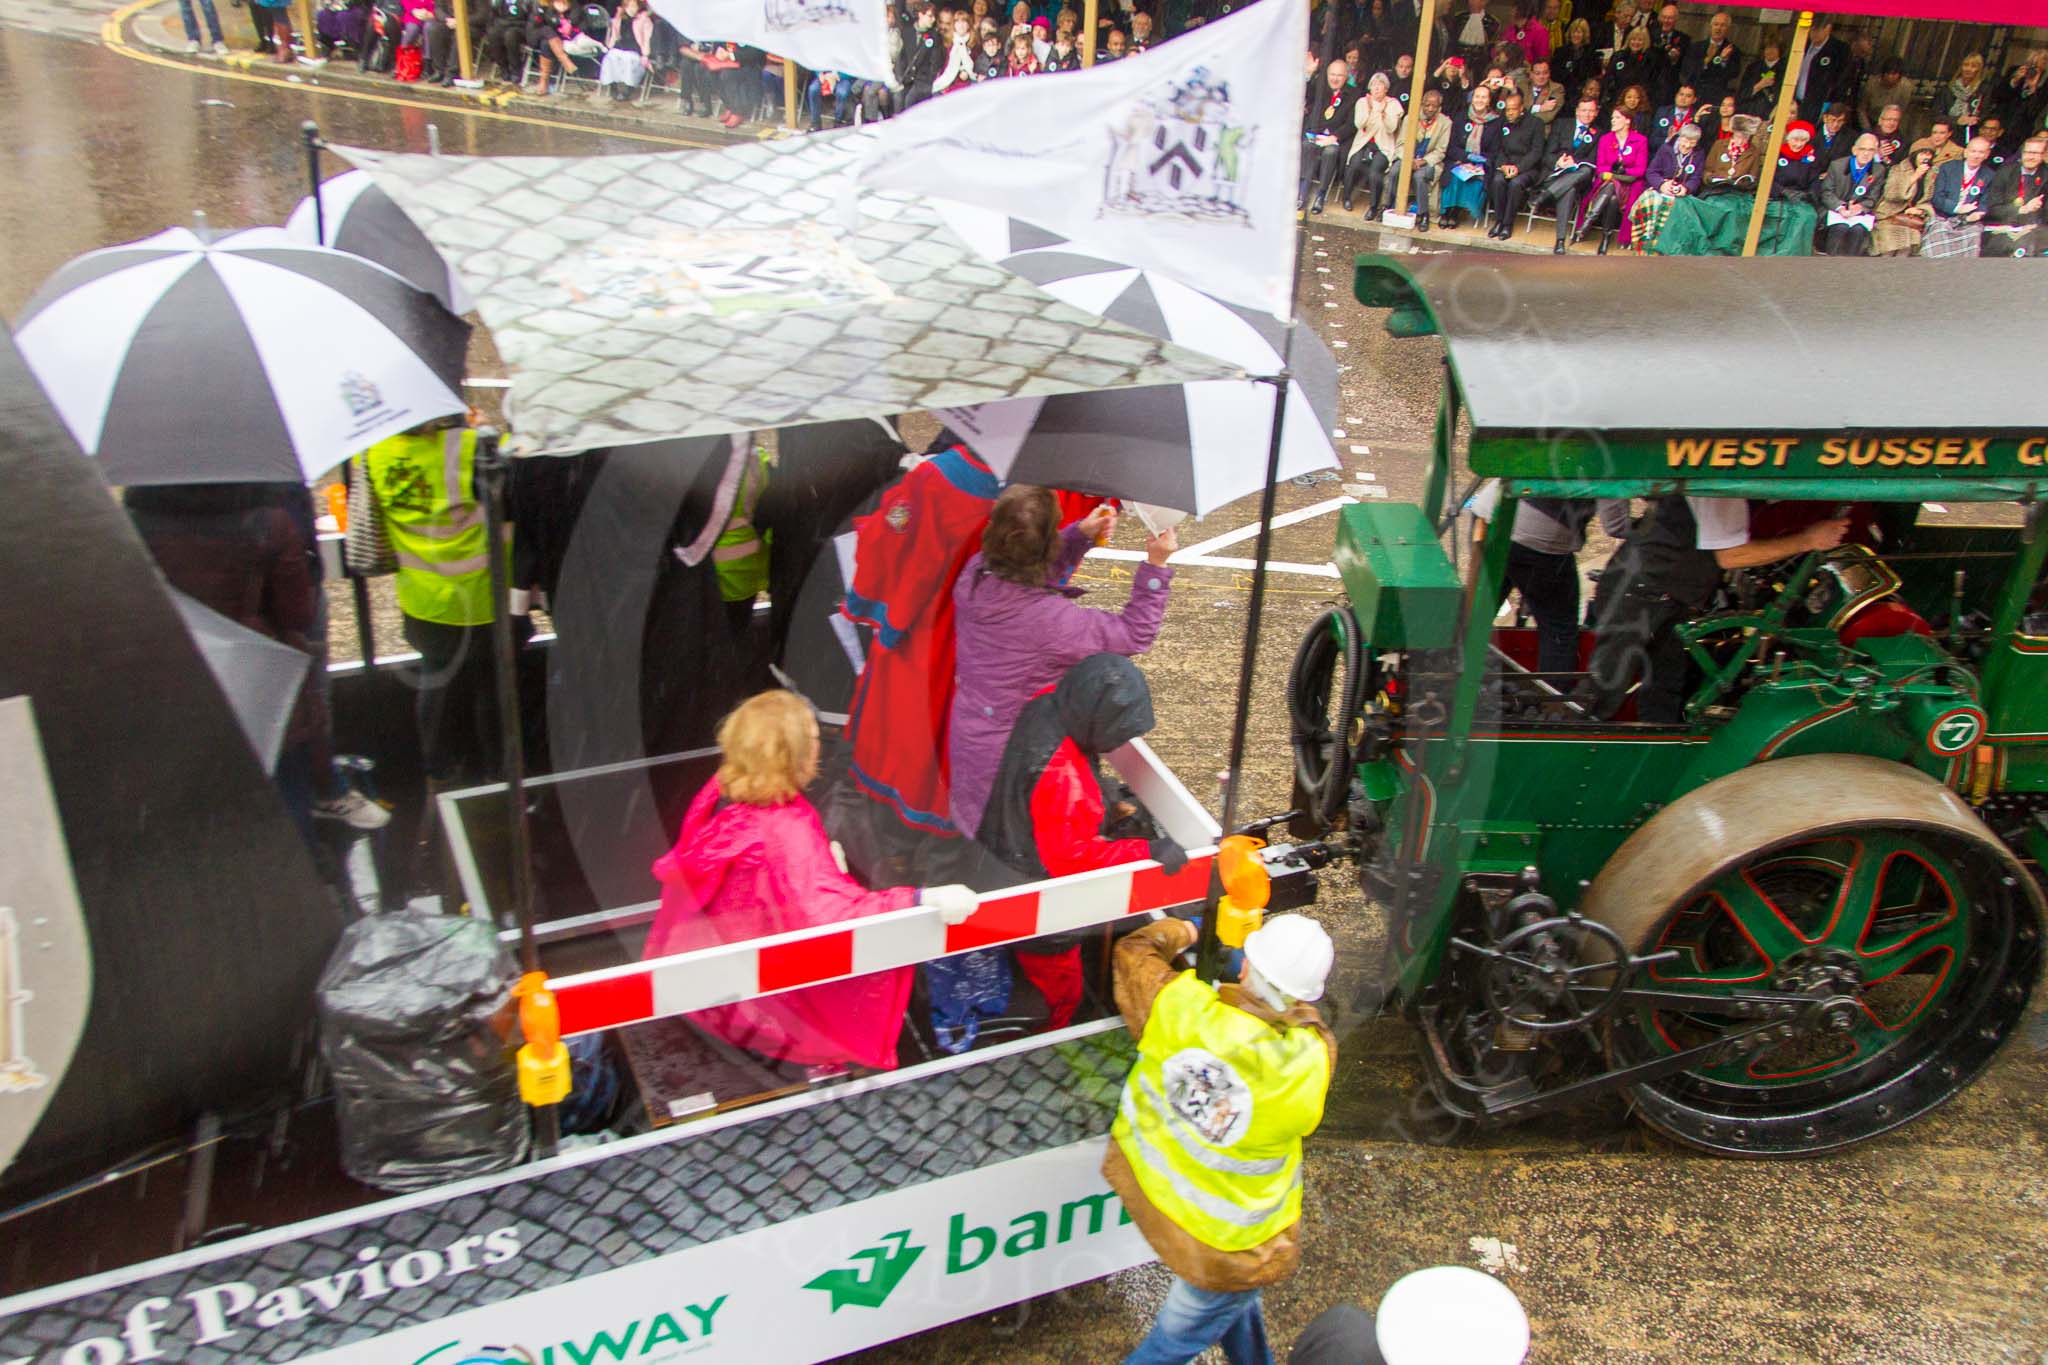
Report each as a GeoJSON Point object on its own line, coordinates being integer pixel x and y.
{"type": "Point", "coordinates": [954, 902]}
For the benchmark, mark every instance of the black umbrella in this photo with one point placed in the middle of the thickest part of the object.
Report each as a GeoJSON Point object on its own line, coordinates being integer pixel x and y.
{"type": "Point", "coordinates": [362, 220]}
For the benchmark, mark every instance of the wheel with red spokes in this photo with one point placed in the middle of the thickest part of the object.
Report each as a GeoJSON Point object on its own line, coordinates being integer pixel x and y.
{"type": "Point", "coordinates": [1910, 926]}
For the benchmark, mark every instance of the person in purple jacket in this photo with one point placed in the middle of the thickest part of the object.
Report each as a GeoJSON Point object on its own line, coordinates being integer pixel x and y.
{"type": "Point", "coordinates": [1020, 629]}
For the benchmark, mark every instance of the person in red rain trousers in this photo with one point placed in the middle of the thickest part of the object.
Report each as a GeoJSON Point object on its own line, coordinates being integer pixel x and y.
{"type": "Point", "coordinates": [1048, 811]}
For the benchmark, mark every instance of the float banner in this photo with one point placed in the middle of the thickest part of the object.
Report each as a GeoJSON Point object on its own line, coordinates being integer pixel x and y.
{"type": "Point", "coordinates": [814, 1287]}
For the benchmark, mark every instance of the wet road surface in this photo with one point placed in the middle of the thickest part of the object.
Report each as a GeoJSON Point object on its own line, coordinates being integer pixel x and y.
{"type": "Point", "coordinates": [1921, 1246]}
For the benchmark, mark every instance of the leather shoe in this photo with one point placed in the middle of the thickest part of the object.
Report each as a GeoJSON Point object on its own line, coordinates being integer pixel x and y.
{"type": "Point", "coordinates": [1557, 250]}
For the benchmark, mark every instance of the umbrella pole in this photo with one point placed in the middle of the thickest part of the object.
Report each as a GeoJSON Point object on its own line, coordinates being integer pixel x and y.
{"type": "Point", "coordinates": [1208, 949]}
{"type": "Point", "coordinates": [490, 473]}
{"type": "Point", "coordinates": [311, 132]}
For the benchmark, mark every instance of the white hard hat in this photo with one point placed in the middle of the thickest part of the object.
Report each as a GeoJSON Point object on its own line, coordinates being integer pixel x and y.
{"type": "Point", "coordinates": [1294, 953]}
{"type": "Point", "coordinates": [1451, 1315]}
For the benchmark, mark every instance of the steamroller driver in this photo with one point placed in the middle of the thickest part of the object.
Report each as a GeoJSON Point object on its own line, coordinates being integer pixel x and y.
{"type": "Point", "coordinates": [1206, 1150]}
{"type": "Point", "coordinates": [1665, 573]}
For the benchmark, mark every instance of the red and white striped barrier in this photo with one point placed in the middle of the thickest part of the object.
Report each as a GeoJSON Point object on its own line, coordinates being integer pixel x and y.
{"type": "Point", "coordinates": [656, 989]}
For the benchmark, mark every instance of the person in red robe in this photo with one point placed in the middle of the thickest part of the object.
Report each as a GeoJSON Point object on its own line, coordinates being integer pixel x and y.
{"type": "Point", "coordinates": [907, 554]}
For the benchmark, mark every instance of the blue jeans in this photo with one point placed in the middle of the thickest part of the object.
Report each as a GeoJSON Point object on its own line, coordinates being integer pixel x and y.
{"type": "Point", "coordinates": [192, 24]}
{"type": "Point", "coordinates": [814, 94]}
{"type": "Point", "coordinates": [1192, 1320]}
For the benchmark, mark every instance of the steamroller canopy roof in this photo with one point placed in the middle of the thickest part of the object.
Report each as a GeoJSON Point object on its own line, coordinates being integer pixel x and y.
{"type": "Point", "coordinates": [1607, 374]}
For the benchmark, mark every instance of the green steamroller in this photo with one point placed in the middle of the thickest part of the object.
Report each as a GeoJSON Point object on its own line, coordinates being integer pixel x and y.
{"type": "Point", "coordinates": [1809, 908]}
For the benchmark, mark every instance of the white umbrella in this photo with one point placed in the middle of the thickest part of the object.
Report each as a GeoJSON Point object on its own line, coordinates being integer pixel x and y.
{"type": "Point", "coordinates": [248, 357]}
{"type": "Point", "coordinates": [361, 219]}
{"type": "Point", "coordinates": [1194, 447]}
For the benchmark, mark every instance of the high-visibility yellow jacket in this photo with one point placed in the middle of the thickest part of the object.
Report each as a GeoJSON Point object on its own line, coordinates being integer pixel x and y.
{"type": "Point", "coordinates": [740, 554]}
{"type": "Point", "coordinates": [1206, 1145]}
{"type": "Point", "coordinates": [424, 482]}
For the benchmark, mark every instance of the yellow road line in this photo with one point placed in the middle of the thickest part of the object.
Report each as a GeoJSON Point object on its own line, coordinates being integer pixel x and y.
{"type": "Point", "coordinates": [110, 34]}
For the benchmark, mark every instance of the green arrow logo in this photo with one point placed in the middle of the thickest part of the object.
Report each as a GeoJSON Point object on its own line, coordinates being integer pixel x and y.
{"type": "Point", "coordinates": [871, 1285]}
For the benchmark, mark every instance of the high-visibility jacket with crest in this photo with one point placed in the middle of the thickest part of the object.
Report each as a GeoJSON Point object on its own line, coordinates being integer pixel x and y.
{"type": "Point", "coordinates": [1214, 1112]}
{"type": "Point", "coordinates": [423, 482]}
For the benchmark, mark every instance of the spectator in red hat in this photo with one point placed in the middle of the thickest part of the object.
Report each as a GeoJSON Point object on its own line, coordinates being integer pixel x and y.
{"type": "Point", "coordinates": [1799, 166]}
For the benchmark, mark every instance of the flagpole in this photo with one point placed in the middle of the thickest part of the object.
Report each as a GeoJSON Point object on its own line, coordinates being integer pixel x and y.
{"type": "Point", "coordinates": [1419, 82]}
{"type": "Point", "coordinates": [1793, 61]}
{"type": "Point", "coordinates": [1089, 16]}
{"type": "Point", "coordinates": [1208, 951]}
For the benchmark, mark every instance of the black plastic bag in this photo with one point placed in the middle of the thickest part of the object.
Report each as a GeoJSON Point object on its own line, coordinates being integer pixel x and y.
{"type": "Point", "coordinates": [417, 1028]}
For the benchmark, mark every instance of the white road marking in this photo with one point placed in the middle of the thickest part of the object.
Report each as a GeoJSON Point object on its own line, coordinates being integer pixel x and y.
{"type": "Point", "coordinates": [1361, 450]}
{"type": "Point", "coordinates": [1183, 559]}
{"type": "Point", "coordinates": [1337, 433]}
{"type": "Point", "coordinates": [1244, 533]}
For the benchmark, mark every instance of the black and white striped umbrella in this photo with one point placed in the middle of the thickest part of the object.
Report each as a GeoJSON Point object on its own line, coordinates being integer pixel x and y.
{"type": "Point", "coordinates": [245, 357]}
{"type": "Point", "coordinates": [1193, 447]}
{"type": "Point", "coordinates": [361, 219]}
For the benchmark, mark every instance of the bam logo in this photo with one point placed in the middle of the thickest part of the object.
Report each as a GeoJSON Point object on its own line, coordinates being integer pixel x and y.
{"type": "Point", "coordinates": [870, 1286]}
{"type": "Point", "coordinates": [1180, 156]}
{"type": "Point", "coordinates": [786, 15]}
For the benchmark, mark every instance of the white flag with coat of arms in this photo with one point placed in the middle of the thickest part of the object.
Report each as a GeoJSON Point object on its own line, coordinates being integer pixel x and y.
{"type": "Point", "coordinates": [1183, 159]}
{"type": "Point", "coordinates": [849, 36]}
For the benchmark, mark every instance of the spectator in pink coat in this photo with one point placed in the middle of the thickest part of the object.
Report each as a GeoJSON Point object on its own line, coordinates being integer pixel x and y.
{"type": "Point", "coordinates": [1621, 162]}
{"type": "Point", "coordinates": [753, 860]}
{"type": "Point", "coordinates": [1019, 629]}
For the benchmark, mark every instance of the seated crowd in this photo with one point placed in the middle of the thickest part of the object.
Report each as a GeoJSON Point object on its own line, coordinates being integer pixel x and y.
{"type": "Point", "coordinates": [1607, 127]}
{"type": "Point", "coordinates": [626, 50]}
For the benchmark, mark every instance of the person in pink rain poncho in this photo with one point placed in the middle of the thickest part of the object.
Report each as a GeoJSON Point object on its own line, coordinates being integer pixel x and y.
{"type": "Point", "coordinates": [753, 860]}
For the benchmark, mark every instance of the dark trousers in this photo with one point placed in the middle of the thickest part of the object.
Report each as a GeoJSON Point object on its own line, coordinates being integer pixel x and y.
{"type": "Point", "coordinates": [698, 84]}
{"type": "Point", "coordinates": [1371, 171]}
{"type": "Point", "coordinates": [457, 703]}
{"type": "Point", "coordinates": [1637, 638]}
{"type": "Point", "coordinates": [441, 55]}
{"type": "Point", "coordinates": [1549, 584]}
{"type": "Point", "coordinates": [1845, 239]}
{"type": "Point", "coordinates": [1319, 166]}
{"type": "Point", "coordinates": [505, 44]}
{"type": "Point", "coordinates": [1421, 190]}
{"type": "Point", "coordinates": [1565, 190]}
{"type": "Point", "coordinates": [1505, 195]}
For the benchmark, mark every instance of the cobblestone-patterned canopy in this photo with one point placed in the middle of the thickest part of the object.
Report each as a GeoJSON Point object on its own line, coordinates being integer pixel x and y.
{"type": "Point", "coordinates": [642, 297]}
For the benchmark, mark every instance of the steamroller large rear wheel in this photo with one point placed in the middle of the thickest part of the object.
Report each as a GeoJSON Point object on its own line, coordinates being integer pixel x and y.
{"type": "Point", "coordinates": [1859, 878]}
